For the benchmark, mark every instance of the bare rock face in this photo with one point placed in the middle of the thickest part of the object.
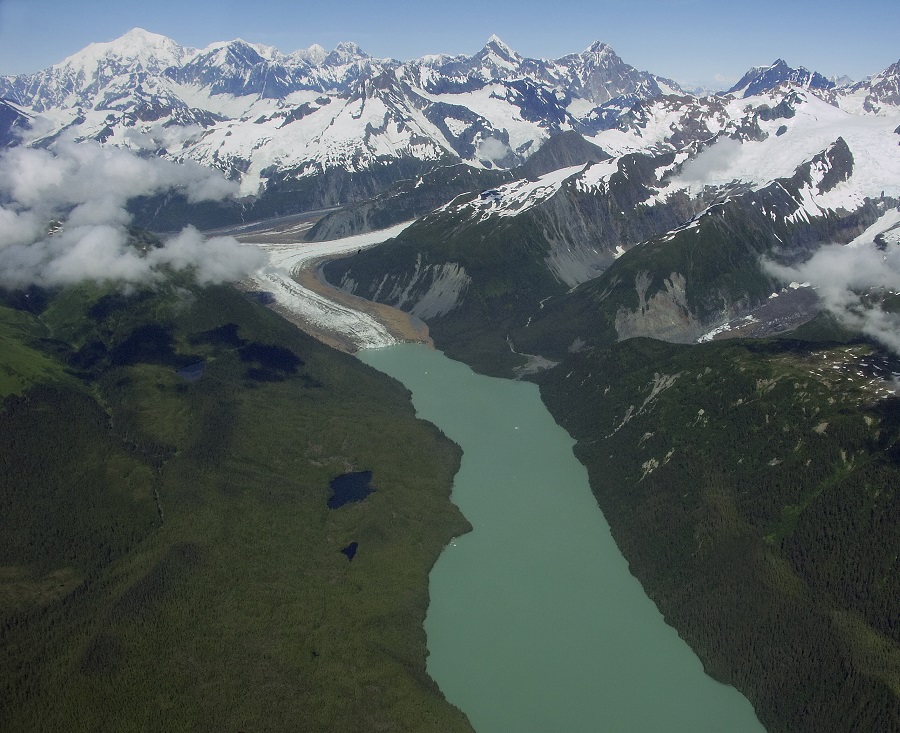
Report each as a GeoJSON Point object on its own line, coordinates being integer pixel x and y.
{"type": "Point", "coordinates": [12, 121]}
{"type": "Point", "coordinates": [665, 315]}
{"type": "Point", "coordinates": [427, 292]}
{"type": "Point", "coordinates": [562, 151]}
{"type": "Point", "coordinates": [883, 89]}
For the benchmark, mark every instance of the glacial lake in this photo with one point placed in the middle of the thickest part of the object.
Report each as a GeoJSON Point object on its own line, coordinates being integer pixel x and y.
{"type": "Point", "coordinates": [535, 623]}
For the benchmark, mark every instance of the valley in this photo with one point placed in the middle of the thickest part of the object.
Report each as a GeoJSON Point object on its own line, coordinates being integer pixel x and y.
{"type": "Point", "coordinates": [704, 288]}
{"type": "Point", "coordinates": [829, 379]}
{"type": "Point", "coordinates": [535, 622]}
{"type": "Point", "coordinates": [292, 280]}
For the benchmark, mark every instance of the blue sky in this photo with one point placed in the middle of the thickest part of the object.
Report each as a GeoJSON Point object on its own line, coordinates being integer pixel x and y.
{"type": "Point", "coordinates": [694, 41]}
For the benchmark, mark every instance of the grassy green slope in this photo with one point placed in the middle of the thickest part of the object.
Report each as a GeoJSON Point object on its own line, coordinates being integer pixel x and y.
{"type": "Point", "coordinates": [21, 364]}
{"type": "Point", "coordinates": [167, 557]}
{"type": "Point", "coordinates": [753, 489]}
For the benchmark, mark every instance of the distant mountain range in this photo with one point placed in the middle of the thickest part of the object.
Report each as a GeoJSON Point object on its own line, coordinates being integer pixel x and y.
{"type": "Point", "coordinates": [583, 157]}
{"type": "Point", "coordinates": [262, 116]}
{"type": "Point", "coordinates": [663, 237]}
{"type": "Point", "coordinates": [764, 78]}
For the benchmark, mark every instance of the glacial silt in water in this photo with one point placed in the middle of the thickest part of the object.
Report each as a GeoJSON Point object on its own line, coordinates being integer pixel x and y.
{"type": "Point", "coordinates": [535, 623]}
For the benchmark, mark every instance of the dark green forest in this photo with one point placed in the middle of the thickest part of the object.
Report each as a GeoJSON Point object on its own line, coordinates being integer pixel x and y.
{"type": "Point", "coordinates": [168, 559]}
{"type": "Point", "coordinates": [753, 488]}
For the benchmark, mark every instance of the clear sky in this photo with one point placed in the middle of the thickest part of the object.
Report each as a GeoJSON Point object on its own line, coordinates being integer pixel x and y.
{"type": "Point", "coordinates": [692, 41]}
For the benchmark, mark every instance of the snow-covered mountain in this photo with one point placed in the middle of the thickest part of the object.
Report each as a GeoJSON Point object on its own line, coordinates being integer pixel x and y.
{"type": "Point", "coordinates": [765, 78]}
{"type": "Point", "coordinates": [879, 93]}
{"type": "Point", "coordinates": [666, 238]}
{"type": "Point", "coordinates": [252, 111]}
{"type": "Point", "coordinates": [267, 119]}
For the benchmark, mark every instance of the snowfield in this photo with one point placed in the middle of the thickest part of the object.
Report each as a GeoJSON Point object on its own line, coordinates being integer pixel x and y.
{"type": "Point", "coordinates": [815, 126]}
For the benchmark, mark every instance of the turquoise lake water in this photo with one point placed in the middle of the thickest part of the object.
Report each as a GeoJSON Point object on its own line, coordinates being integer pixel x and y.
{"type": "Point", "coordinates": [535, 623]}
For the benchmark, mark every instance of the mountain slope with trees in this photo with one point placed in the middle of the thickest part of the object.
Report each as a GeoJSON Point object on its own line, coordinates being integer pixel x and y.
{"type": "Point", "coordinates": [165, 531]}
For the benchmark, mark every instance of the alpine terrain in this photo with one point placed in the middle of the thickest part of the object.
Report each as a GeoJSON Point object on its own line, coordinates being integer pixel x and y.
{"type": "Point", "coordinates": [705, 288]}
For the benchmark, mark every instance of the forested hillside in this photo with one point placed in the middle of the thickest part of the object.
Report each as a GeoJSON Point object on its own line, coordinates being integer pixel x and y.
{"type": "Point", "coordinates": [752, 486]}
{"type": "Point", "coordinates": [168, 557]}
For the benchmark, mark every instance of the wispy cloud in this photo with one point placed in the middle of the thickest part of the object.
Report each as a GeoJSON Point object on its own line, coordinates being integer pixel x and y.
{"type": "Point", "coordinates": [490, 148]}
{"type": "Point", "coordinates": [711, 162]}
{"type": "Point", "coordinates": [86, 187]}
{"type": "Point", "coordinates": [849, 280]}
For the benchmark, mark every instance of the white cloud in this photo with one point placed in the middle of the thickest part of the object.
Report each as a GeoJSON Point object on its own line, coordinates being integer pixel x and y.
{"type": "Point", "coordinates": [18, 228]}
{"type": "Point", "coordinates": [97, 252]}
{"type": "Point", "coordinates": [152, 138]}
{"type": "Point", "coordinates": [81, 173]}
{"type": "Point", "coordinates": [86, 187]}
{"type": "Point", "coordinates": [219, 259]}
{"type": "Point", "coordinates": [848, 280]}
{"type": "Point", "coordinates": [490, 148]}
{"type": "Point", "coordinates": [38, 127]}
{"type": "Point", "coordinates": [711, 162]}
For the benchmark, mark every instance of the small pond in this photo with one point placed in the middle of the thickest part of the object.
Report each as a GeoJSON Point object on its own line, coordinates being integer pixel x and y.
{"type": "Point", "coordinates": [349, 487]}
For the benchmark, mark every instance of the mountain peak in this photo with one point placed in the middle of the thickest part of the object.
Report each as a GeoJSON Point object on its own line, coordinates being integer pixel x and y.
{"type": "Point", "coordinates": [599, 53]}
{"type": "Point", "coordinates": [597, 47]}
{"type": "Point", "coordinates": [892, 71]}
{"type": "Point", "coordinates": [880, 89]}
{"type": "Point", "coordinates": [349, 47]}
{"type": "Point", "coordinates": [346, 52]}
{"type": "Point", "coordinates": [267, 52]}
{"type": "Point", "coordinates": [315, 54]}
{"type": "Point", "coordinates": [137, 47]}
{"type": "Point", "coordinates": [761, 79]}
{"type": "Point", "coordinates": [139, 42]}
{"type": "Point", "coordinates": [142, 33]}
{"type": "Point", "coordinates": [496, 46]}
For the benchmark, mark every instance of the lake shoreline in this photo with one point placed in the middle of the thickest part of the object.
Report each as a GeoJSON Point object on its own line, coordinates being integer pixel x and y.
{"type": "Point", "coordinates": [535, 622]}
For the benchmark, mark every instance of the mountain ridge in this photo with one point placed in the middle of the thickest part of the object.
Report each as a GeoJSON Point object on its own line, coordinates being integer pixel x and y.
{"type": "Point", "coordinates": [765, 78]}
{"type": "Point", "coordinates": [504, 105]}
{"type": "Point", "coordinates": [262, 116]}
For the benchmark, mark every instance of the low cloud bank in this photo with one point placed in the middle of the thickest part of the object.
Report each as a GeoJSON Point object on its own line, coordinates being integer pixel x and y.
{"type": "Point", "coordinates": [844, 277]}
{"type": "Point", "coordinates": [85, 188]}
{"type": "Point", "coordinates": [490, 148]}
{"type": "Point", "coordinates": [711, 162]}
